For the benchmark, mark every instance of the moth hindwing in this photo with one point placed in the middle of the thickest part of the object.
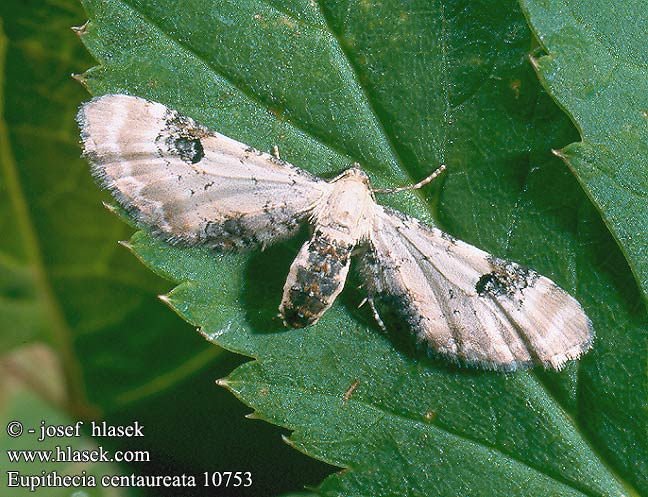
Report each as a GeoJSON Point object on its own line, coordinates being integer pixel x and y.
{"type": "Point", "coordinates": [193, 186]}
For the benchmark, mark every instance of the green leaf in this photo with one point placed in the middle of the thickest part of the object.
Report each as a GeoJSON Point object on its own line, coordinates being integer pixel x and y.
{"type": "Point", "coordinates": [597, 70]}
{"type": "Point", "coordinates": [399, 91]}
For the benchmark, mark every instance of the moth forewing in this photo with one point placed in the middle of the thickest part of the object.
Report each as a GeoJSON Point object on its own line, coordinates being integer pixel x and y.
{"type": "Point", "coordinates": [190, 184]}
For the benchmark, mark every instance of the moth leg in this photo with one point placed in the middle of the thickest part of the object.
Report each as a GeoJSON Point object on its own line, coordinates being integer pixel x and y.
{"type": "Point", "coordinates": [275, 152]}
{"type": "Point", "coordinates": [379, 321]}
{"type": "Point", "coordinates": [374, 311]}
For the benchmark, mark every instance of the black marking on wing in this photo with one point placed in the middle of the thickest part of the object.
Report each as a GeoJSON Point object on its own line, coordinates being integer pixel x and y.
{"type": "Point", "coordinates": [506, 278]}
{"type": "Point", "coordinates": [181, 136]}
{"type": "Point", "coordinates": [247, 231]}
{"type": "Point", "coordinates": [189, 149]}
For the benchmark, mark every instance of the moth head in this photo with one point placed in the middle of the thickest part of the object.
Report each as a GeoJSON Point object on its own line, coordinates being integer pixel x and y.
{"type": "Point", "coordinates": [355, 173]}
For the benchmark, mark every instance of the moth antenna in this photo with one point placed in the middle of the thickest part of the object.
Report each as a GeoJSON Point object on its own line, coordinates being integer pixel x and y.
{"type": "Point", "coordinates": [418, 185]}
{"type": "Point", "coordinates": [363, 302]}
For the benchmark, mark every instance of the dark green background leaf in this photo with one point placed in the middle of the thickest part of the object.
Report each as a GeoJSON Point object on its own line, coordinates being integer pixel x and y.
{"type": "Point", "coordinates": [598, 71]}
{"type": "Point", "coordinates": [400, 90]}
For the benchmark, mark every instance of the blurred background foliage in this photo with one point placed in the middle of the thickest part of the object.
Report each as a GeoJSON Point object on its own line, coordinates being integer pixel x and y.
{"type": "Point", "coordinates": [66, 283]}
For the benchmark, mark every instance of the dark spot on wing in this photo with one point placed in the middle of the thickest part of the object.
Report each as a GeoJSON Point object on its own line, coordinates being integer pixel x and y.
{"type": "Point", "coordinates": [252, 150]}
{"type": "Point", "coordinates": [242, 232]}
{"type": "Point", "coordinates": [507, 278]}
{"type": "Point", "coordinates": [189, 149]}
{"type": "Point", "coordinates": [490, 284]}
{"type": "Point", "coordinates": [449, 238]}
{"type": "Point", "coordinates": [237, 230]}
{"type": "Point", "coordinates": [182, 136]}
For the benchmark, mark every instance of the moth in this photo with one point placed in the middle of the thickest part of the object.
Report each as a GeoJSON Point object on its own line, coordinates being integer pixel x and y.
{"type": "Point", "coordinates": [193, 186]}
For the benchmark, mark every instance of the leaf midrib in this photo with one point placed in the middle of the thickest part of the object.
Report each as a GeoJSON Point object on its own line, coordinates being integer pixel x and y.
{"type": "Point", "coordinates": [355, 77]}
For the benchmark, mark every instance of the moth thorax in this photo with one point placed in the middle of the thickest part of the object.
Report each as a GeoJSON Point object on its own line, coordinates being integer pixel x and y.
{"type": "Point", "coordinates": [348, 210]}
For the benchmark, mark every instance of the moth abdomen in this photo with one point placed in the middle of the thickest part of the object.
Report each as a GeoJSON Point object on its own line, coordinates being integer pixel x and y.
{"type": "Point", "coordinates": [316, 277]}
